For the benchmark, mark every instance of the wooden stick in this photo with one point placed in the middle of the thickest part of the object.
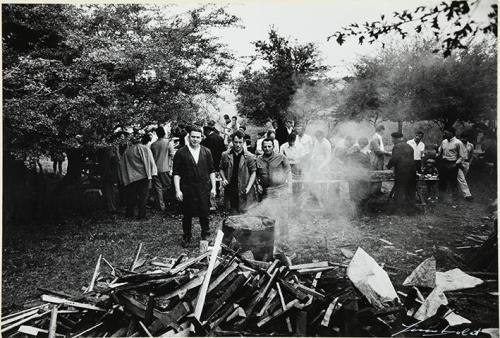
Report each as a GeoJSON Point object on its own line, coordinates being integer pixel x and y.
{"type": "Point", "coordinates": [136, 257]}
{"type": "Point", "coordinates": [190, 262]}
{"type": "Point", "coordinates": [94, 276]}
{"type": "Point", "coordinates": [19, 317]}
{"type": "Point", "coordinates": [309, 266]}
{"type": "Point", "coordinates": [53, 321]}
{"type": "Point", "coordinates": [27, 319]}
{"type": "Point", "coordinates": [277, 313]}
{"type": "Point", "coordinates": [282, 299]}
{"type": "Point", "coordinates": [88, 330]}
{"type": "Point", "coordinates": [316, 279]}
{"type": "Point", "coordinates": [56, 300]}
{"type": "Point", "coordinates": [145, 329]}
{"type": "Point", "coordinates": [328, 313]}
{"type": "Point", "coordinates": [311, 292]}
{"type": "Point", "coordinates": [204, 288]}
{"type": "Point", "coordinates": [315, 270]}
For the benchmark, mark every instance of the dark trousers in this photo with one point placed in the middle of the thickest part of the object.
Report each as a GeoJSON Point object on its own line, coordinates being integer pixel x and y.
{"type": "Point", "coordinates": [187, 224]}
{"type": "Point", "coordinates": [110, 190]}
{"type": "Point", "coordinates": [137, 195]}
{"type": "Point", "coordinates": [162, 184]}
{"type": "Point", "coordinates": [418, 165]}
{"type": "Point", "coordinates": [448, 176]}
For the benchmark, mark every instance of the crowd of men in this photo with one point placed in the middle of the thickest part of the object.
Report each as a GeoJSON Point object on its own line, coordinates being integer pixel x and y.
{"type": "Point", "coordinates": [186, 170]}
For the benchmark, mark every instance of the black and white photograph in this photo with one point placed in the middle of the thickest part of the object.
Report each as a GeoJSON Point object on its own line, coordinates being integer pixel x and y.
{"type": "Point", "coordinates": [250, 168]}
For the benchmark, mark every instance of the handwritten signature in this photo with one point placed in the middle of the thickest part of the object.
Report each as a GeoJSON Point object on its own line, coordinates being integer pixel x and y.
{"type": "Point", "coordinates": [432, 333]}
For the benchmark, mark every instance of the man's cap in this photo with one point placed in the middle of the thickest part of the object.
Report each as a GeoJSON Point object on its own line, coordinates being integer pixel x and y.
{"type": "Point", "coordinates": [397, 134]}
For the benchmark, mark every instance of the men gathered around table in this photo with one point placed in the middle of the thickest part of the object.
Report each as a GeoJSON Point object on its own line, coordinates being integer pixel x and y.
{"type": "Point", "coordinates": [404, 174]}
{"type": "Point", "coordinates": [163, 151]}
{"type": "Point", "coordinates": [451, 155]}
{"type": "Point", "coordinates": [238, 172]}
{"type": "Point", "coordinates": [137, 168]}
{"type": "Point", "coordinates": [418, 149]}
{"type": "Point", "coordinates": [194, 181]}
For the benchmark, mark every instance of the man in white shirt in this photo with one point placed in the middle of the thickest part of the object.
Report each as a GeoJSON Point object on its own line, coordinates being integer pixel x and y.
{"type": "Point", "coordinates": [304, 139]}
{"type": "Point", "coordinates": [294, 152]}
{"type": "Point", "coordinates": [378, 154]}
{"type": "Point", "coordinates": [451, 153]}
{"type": "Point", "coordinates": [418, 149]}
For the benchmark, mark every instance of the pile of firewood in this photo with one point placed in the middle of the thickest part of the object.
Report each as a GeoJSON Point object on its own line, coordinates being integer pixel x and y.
{"type": "Point", "coordinates": [218, 293]}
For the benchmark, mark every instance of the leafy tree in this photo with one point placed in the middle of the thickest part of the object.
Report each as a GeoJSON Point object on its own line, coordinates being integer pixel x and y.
{"type": "Point", "coordinates": [268, 93]}
{"type": "Point", "coordinates": [84, 70]}
{"type": "Point", "coordinates": [409, 82]}
{"type": "Point", "coordinates": [422, 18]}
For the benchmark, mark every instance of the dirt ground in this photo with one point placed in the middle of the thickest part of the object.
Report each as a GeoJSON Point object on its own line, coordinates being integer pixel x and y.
{"type": "Point", "coordinates": [62, 256]}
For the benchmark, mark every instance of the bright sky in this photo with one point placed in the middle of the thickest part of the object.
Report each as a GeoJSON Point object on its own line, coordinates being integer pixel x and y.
{"type": "Point", "coordinates": [311, 21]}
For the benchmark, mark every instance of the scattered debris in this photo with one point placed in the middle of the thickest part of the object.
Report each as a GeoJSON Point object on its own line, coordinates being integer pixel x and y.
{"type": "Point", "coordinates": [224, 293]}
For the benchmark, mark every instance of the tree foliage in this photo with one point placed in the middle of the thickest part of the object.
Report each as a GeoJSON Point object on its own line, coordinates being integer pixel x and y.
{"type": "Point", "coordinates": [84, 70]}
{"type": "Point", "coordinates": [268, 93]}
{"type": "Point", "coordinates": [407, 83]}
{"type": "Point", "coordinates": [402, 23]}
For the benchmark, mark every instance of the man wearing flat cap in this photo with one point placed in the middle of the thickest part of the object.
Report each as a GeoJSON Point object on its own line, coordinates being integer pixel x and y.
{"type": "Point", "coordinates": [404, 174]}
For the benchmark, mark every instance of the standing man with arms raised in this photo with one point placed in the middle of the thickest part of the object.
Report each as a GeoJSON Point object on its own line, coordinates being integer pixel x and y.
{"type": "Point", "coordinates": [194, 181]}
{"type": "Point", "coordinates": [162, 151]}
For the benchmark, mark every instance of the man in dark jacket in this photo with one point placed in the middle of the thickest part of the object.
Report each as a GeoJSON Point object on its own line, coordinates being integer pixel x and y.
{"type": "Point", "coordinates": [194, 181]}
{"type": "Point", "coordinates": [404, 174]}
{"type": "Point", "coordinates": [215, 143]}
{"type": "Point", "coordinates": [283, 132]}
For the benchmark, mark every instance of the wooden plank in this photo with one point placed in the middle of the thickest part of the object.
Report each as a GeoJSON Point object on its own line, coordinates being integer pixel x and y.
{"type": "Point", "coordinates": [309, 266]}
{"type": "Point", "coordinates": [315, 270]}
{"type": "Point", "coordinates": [57, 300]}
{"type": "Point", "coordinates": [272, 295]}
{"type": "Point", "coordinates": [188, 263]}
{"type": "Point", "coordinates": [19, 317]}
{"type": "Point", "coordinates": [222, 276]}
{"type": "Point", "coordinates": [15, 314]}
{"type": "Point", "coordinates": [27, 319]}
{"type": "Point", "coordinates": [53, 322]}
{"type": "Point", "coordinates": [34, 331]}
{"type": "Point", "coordinates": [94, 276]}
{"type": "Point", "coordinates": [311, 292]}
{"type": "Point", "coordinates": [204, 287]}
{"type": "Point", "coordinates": [278, 313]}
{"type": "Point", "coordinates": [329, 311]}
{"type": "Point", "coordinates": [195, 282]}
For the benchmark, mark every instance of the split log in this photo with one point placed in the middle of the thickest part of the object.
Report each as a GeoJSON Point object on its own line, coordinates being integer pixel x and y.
{"type": "Point", "coordinates": [136, 257]}
{"type": "Point", "coordinates": [272, 295]}
{"type": "Point", "coordinates": [315, 270]}
{"type": "Point", "coordinates": [291, 288]}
